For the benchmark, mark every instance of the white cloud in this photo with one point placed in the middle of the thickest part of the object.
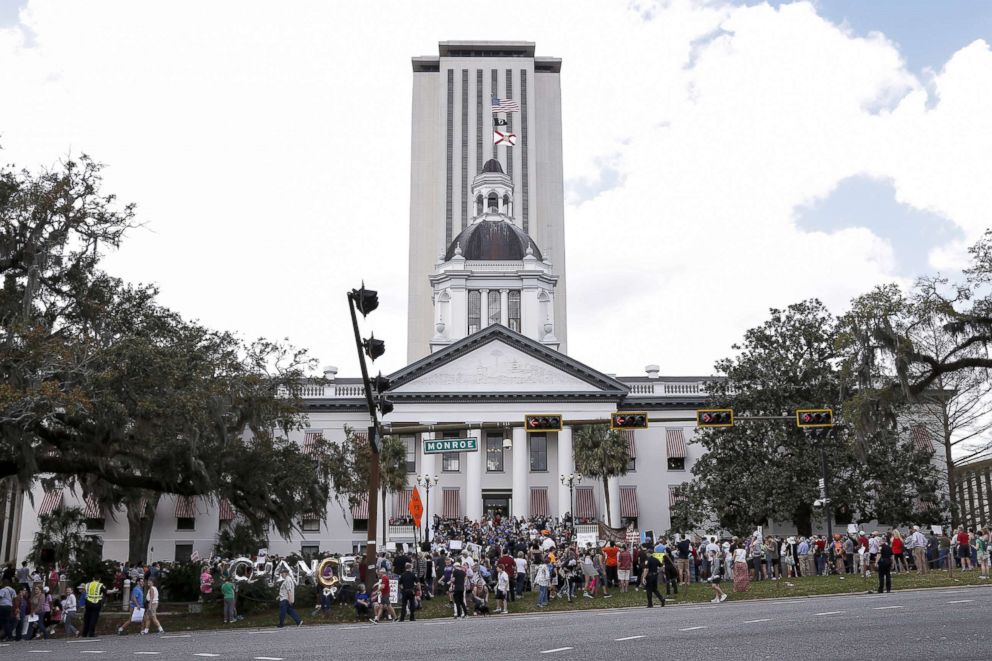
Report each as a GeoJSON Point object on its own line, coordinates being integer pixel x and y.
{"type": "Point", "coordinates": [267, 149]}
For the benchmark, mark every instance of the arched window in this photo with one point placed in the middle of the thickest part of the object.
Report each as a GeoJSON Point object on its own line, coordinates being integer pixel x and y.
{"type": "Point", "coordinates": [494, 311]}
{"type": "Point", "coordinates": [506, 204]}
{"type": "Point", "coordinates": [513, 309]}
{"type": "Point", "coordinates": [478, 205]}
{"type": "Point", "coordinates": [493, 203]}
{"type": "Point", "coordinates": [474, 310]}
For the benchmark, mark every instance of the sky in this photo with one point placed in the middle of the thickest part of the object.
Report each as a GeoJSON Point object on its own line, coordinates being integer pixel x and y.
{"type": "Point", "coordinates": [720, 158]}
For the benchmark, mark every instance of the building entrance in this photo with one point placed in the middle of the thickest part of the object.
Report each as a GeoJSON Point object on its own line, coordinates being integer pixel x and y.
{"type": "Point", "coordinates": [496, 503]}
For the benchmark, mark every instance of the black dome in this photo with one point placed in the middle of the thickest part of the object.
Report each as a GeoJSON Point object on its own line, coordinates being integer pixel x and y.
{"type": "Point", "coordinates": [492, 165]}
{"type": "Point", "coordinates": [496, 240]}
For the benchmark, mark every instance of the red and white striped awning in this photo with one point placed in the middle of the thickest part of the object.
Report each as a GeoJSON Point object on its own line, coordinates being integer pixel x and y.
{"type": "Point", "coordinates": [51, 502]}
{"type": "Point", "coordinates": [92, 509]}
{"type": "Point", "coordinates": [310, 443]}
{"type": "Point", "coordinates": [675, 441]}
{"type": "Point", "coordinates": [451, 506]}
{"type": "Point", "coordinates": [923, 505]}
{"type": "Point", "coordinates": [310, 516]}
{"type": "Point", "coordinates": [539, 501]}
{"type": "Point", "coordinates": [360, 510]}
{"type": "Point", "coordinates": [628, 502]}
{"type": "Point", "coordinates": [401, 506]}
{"type": "Point", "coordinates": [185, 507]}
{"type": "Point", "coordinates": [629, 435]}
{"type": "Point", "coordinates": [674, 494]}
{"type": "Point", "coordinates": [225, 510]}
{"type": "Point", "coordinates": [585, 503]}
{"type": "Point", "coordinates": [922, 440]}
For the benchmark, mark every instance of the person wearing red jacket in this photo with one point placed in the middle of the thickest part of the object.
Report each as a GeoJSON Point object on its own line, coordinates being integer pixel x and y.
{"type": "Point", "coordinates": [509, 565]}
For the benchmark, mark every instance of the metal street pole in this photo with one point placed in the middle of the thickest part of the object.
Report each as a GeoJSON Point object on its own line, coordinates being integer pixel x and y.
{"type": "Point", "coordinates": [826, 491]}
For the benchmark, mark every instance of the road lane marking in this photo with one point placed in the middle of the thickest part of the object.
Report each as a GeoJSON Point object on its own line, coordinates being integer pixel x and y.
{"type": "Point", "coordinates": [205, 654]}
{"type": "Point", "coordinates": [628, 638]}
{"type": "Point", "coordinates": [692, 628]}
{"type": "Point", "coordinates": [830, 613]}
{"type": "Point", "coordinates": [764, 619]}
{"type": "Point", "coordinates": [269, 658]}
{"type": "Point", "coordinates": [885, 608]}
{"type": "Point", "coordinates": [89, 641]}
{"type": "Point", "coordinates": [40, 651]}
{"type": "Point", "coordinates": [147, 652]}
{"type": "Point", "coordinates": [179, 635]}
{"type": "Point", "coordinates": [557, 649]}
{"type": "Point", "coordinates": [256, 633]}
{"type": "Point", "coordinates": [961, 601]}
{"type": "Point", "coordinates": [91, 652]}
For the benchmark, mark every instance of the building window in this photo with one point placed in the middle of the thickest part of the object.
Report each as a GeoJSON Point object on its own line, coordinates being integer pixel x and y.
{"type": "Point", "coordinates": [513, 310]}
{"type": "Point", "coordinates": [474, 310]}
{"type": "Point", "coordinates": [185, 523]}
{"type": "Point", "coordinates": [96, 524]}
{"type": "Point", "coordinates": [450, 463]}
{"type": "Point", "coordinates": [676, 463]}
{"type": "Point", "coordinates": [494, 307]}
{"type": "Point", "coordinates": [310, 525]}
{"type": "Point", "coordinates": [538, 453]}
{"type": "Point", "coordinates": [632, 465]}
{"type": "Point", "coordinates": [493, 202]}
{"type": "Point", "coordinates": [629, 522]}
{"type": "Point", "coordinates": [360, 525]}
{"type": "Point", "coordinates": [184, 552]}
{"type": "Point", "coordinates": [494, 453]}
{"type": "Point", "coordinates": [410, 443]}
{"type": "Point", "coordinates": [310, 550]}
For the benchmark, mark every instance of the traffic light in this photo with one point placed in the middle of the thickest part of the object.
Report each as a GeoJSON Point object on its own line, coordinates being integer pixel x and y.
{"type": "Point", "coordinates": [380, 384]}
{"type": "Point", "coordinates": [373, 347]}
{"type": "Point", "coordinates": [384, 405]}
{"type": "Point", "coordinates": [813, 418]}
{"type": "Point", "coordinates": [543, 422]}
{"type": "Point", "coordinates": [629, 420]}
{"type": "Point", "coordinates": [364, 299]}
{"type": "Point", "coordinates": [715, 418]}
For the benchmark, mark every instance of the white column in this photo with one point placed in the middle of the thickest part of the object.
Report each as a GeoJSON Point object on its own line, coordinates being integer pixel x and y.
{"type": "Point", "coordinates": [520, 504]}
{"type": "Point", "coordinates": [484, 307]}
{"type": "Point", "coordinates": [566, 466]}
{"type": "Point", "coordinates": [614, 486]}
{"type": "Point", "coordinates": [504, 314]}
{"type": "Point", "coordinates": [473, 480]}
{"type": "Point", "coordinates": [428, 466]}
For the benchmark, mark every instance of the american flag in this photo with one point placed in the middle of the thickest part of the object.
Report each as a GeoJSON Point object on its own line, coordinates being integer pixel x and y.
{"type": "Point", "coordinates": [505, 105]}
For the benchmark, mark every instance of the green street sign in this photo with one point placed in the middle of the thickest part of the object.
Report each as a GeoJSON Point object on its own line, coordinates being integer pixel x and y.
{"type": "Point", "coordinates": [451, 445]}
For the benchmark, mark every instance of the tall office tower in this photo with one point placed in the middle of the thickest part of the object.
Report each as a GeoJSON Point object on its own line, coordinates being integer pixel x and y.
{"type": "Point", "coordinates": [454, 134]}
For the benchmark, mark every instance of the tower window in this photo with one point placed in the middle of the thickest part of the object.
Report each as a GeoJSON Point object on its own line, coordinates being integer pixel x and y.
{"type": "Point", "coordinates": [506, 204]}
{"type": "Point", "coordinates": [494, 311]}
{"type": "Point", "coordinates": [513, 310]}
{"type": "Point", "coordinates": [493, 202]}
{"type": "Point", "coordinates": [478, 205]}
{"type": "Point", "coordinates": [474, 310]}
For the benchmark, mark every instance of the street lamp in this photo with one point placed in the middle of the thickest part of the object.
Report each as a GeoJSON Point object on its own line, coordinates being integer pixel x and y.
{"type": "Point", "coordinates": [824, 499]}
{"type": "Point", "coordinates": [427, 482]}
{"type": "Point", "coordinates": [570, 481]}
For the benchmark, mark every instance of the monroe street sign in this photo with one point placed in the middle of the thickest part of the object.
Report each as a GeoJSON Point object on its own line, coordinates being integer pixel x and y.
{"type": "Point", "coordinates": [451, 445]}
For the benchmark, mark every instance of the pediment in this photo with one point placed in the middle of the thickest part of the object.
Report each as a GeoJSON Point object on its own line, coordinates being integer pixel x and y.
{"type": "Point", "coordinates": [497, 360]}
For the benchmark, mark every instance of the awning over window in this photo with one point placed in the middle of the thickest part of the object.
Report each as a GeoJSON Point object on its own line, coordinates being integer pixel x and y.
{"type": "Point", "coordinates": [922, 440]}
{"type": "Point", "coordinates": [585, 503]}
{"type": "Point", "coordinates": [924, 505]}
{"type": "Point", "coordinates": [539, 501]}
{"type": "Point", "coordinates": [185, 507]}
{"type": "Point", "coordinates": [674, 494]}
{"type": "Point", "coordinates": [225, 510]}
{"type": "Point", "coordinates": [92, 509]}
{"type": "Point", "coordinates": [628, 502]}
{"type": "Point", "coordinates": [51, 502]}
{"type": "Point", "coordinates": [401, 506]}
{"type": "Point", "coordinates": [675, 441]}
{"type": "Point", "coordinates": [310, 443]}
{"type": "Point", "coordinates": [629, 435]}
{"type": "Point", "coordinates": [361, 509]}
{"type": "Point", "coordinates": [310, 516]}
{"type": "Point", "coordinates": [451, 504]}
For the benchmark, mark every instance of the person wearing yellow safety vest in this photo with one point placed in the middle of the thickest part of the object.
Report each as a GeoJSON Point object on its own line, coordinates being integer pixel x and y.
{"type": "Point", "coordinates": [94, 602]}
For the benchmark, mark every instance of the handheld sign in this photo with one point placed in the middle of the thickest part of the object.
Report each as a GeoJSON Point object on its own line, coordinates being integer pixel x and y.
{"type": "Point", "coordinates": [416, 507]}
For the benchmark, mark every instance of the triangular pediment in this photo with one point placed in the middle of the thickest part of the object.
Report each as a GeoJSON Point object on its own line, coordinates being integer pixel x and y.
{"type": "Point", "coordinates": [498, 360]}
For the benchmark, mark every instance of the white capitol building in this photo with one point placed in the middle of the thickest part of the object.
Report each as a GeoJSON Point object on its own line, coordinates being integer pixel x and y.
{"type": "Point", "coordinates": [487, 338]}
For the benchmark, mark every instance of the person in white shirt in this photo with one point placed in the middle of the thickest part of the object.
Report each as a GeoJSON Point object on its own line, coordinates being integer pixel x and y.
{"type": "Point", "coordinates": [918, 543]}
{"type": "Point", "coordinates": [287, 595]}
{"type": "Point", "coordinates": [502, 589]}
{"type": "Point", "coordinates": [521, 562]}
{"type": "Point", "coordinates": [151, 612]}
{"type": "Point", "coordinates": [69, 612]}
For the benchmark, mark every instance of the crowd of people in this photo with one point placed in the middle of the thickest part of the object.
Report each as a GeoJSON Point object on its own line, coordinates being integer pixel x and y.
{"type": "Point", "coordinates": [482, 567]}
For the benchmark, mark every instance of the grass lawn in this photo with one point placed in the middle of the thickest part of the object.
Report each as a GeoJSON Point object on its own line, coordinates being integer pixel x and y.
{"type": "Point", "coordinates": [175, 619]}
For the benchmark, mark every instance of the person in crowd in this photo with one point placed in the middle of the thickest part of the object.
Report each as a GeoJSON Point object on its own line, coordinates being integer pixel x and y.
{"type": "Point", "coordinates": [684, 549]}
{"type": "Point", "coordinates": [151, 610]}
{"type": "Point", "coordinates": [503, 584]}
{"type": "Point", "coordinates": [7, 597]}
{"type": "Point", "coordinates": [542, 579]}
{"type": "Point", "coordinates": [36, 616]}
{"type": "Point", "coordinates": [649, 578]}
{"type": "Point", "coordinates": [885, 555]}
{"type": "Point", "coordinates": [982, 553]}
{"type": "Point", "coordinates": [610, 553]}
{"type": "Point", "coordinates": [408, 593]}
{"type": "Point", "coordinates": [362, 606]}
{"type": "Point", "coordinates": [22, 609]}
{"type": "Point", "coordinates": [945, 557]}
{"type": "Point", "coordinates": [136, 606]}
{"type": "Point", "coordinates": [624, 564]}
{"type": "Point", "coordinates": [718, 594]}
{"type": "Point", "coordinates": [230, 600]}
{"type": "Point", "coordinates": [95, 592]}
{"type": "Point", "coordinates": [896, 542]}
{"type": "Point", "coordinates": [23, 576]}
{"type": "Point", "coordinates": [458, 577]}
{"type": "Point", "coordinates": [670, 573]}
{"type": "Point", "coordinates": [918, 545]}
{"type": "Point", "coordinates": [287, 596]}
{"type": "Point", "coordinates": [69, 612]}
{"type": "Point", "coordinates": [963, 539]}
{"type": "Point", "coordinates": [741, 578]}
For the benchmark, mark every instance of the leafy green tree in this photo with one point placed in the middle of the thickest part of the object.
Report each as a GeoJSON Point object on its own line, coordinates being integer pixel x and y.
{"type": "Point", "coordinates": [348, 465]}
{"type": "Point", "coordinates": [61, 538]}
{"type": "Point", "coordinates": [239, 539]}
{"type": "Point", "coordinates": [392, 472]}
{"type": "Point", "coordinates": [111, 392]}
{"type": "Point", "coordinates": [600, 453]}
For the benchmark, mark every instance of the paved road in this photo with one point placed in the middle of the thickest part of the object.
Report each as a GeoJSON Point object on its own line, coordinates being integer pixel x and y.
{"type": "Point", "coordinates": [940, 624]}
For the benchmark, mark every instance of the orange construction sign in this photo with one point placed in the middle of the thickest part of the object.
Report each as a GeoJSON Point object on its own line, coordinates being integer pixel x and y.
{"type": "Point", "coordinates": [416, 507]}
